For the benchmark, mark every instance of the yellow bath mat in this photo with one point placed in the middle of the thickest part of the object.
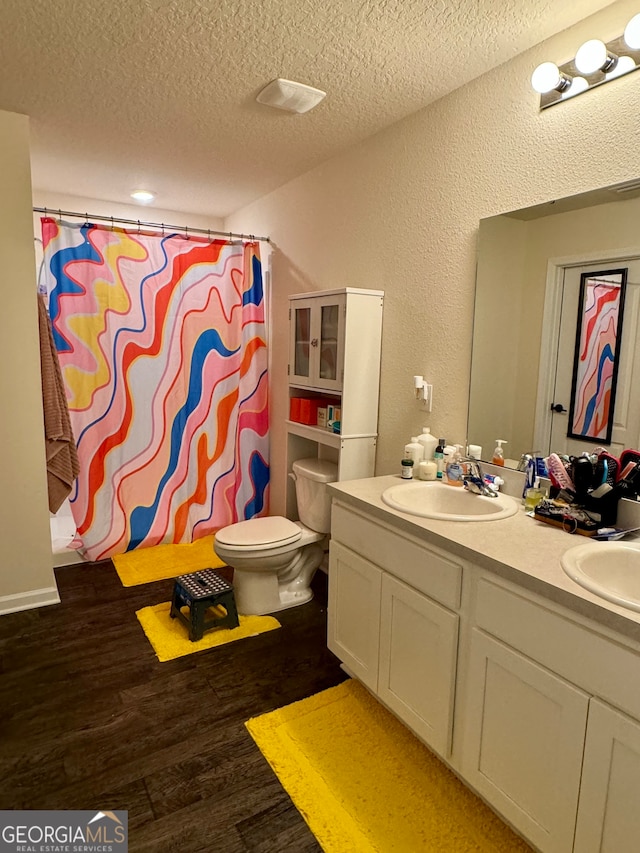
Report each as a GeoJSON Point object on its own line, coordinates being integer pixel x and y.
{"type": "Point", "coordinates": [145, 565]}
{"type": "Point", "coordinates": [365, 784]}
{"type": "Point", "coordinates": [170, 639]}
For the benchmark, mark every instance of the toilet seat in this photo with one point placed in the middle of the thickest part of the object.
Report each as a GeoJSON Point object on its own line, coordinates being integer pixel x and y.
{"type": "Point", "coordinates": [259, 534]}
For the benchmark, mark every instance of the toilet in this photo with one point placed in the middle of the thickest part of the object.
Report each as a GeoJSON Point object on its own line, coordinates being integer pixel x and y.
{"type": "Point", "coordinates": [274, 559]}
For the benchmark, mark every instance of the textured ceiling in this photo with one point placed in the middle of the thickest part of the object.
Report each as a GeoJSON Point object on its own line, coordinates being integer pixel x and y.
{"type": "Point", "coordinates": [161, 93]}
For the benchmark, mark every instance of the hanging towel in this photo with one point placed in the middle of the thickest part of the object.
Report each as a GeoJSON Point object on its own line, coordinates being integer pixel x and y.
{"type": "Point", "coordinates": [62, 457]}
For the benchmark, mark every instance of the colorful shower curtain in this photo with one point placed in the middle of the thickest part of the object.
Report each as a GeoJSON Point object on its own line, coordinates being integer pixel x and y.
{"type": "Point", "coordinates": [162, 345]}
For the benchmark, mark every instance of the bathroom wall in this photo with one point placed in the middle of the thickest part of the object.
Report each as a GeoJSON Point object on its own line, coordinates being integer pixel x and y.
{"type": "Point", "coordinates": [26, 575]}
{"type": "Point", "coordinates": [400, 212]}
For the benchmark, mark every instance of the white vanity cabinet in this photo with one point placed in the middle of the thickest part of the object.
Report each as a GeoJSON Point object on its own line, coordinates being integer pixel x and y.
{"type": "Point", "coordinates": [608, 813]}
{"type": "Point", "coordinates": [354, 613]}
{"type": "Point", "coordinates": [391, 621]}
{"type": "Point", "coordinates": [533, 704]}
{"type": "Point", "coordinates": [525, 734]}
{"type": "Point", "coordinates": [551, 732]}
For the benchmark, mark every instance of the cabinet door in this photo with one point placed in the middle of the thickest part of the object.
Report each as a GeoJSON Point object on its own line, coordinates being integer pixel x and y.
{"type": "Point", "coordinates": [330, 336]}
{"type": "Point", "coordinates": [317, 342]}
{"type": "Point", "coordinates": [353, 620]}
{"type": "Point", "coordinates": [418, 652]}
{"type": "Point", "coordinates": [523, 742]}
{"type": "Point", "coordinates": [301, 356]}
{"type": "Point", "coordinates": [608, 814]}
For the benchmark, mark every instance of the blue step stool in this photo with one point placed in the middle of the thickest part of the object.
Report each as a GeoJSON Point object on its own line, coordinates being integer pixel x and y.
{"type": "Point", "coordinates": [199, 591]}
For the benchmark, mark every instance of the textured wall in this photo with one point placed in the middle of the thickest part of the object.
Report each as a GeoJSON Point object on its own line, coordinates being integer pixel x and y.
{"type": "Point", "coordinates": [400, 213]}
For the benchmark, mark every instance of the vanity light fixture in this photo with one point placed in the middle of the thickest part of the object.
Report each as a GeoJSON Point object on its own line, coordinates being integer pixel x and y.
{"type": "Point", "coordinates": [595, 62]}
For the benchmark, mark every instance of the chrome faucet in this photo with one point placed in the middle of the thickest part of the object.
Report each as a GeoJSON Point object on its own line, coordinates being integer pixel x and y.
{"type": "Point", "coordinates": [474, 480]}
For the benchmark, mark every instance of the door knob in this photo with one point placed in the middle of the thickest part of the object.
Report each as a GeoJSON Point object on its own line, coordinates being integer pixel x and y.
{"type": "Point", "coordinates": [557, 407]}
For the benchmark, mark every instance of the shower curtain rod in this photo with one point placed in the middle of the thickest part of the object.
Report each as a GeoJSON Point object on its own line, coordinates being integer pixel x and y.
{"type": "Point", "coordinates": [158, 225]}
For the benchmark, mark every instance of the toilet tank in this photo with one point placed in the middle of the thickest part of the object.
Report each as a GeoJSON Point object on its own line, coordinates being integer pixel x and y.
{"type": "Point", "coordinates": [314, 503]}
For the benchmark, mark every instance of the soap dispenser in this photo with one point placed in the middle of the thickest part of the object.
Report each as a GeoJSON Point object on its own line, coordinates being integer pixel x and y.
{"type": "Point", "coordinates": [454, 473]}
{"type": "Point", "coordinates": [498, 453]}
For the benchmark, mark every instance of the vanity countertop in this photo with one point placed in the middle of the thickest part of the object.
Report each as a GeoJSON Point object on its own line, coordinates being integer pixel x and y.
{"type": "Point", "coordinates": [519, 549]}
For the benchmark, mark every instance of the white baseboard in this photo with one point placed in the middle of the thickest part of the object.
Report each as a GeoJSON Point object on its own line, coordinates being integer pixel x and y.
{"type": "Point", "coordinates": [29, 600]}
{"type": "Point", "coordinates": [67, 558]}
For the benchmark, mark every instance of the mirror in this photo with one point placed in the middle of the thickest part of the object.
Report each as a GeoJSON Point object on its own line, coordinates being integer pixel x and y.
{"type": "Point", "coordinates": [522, 258]}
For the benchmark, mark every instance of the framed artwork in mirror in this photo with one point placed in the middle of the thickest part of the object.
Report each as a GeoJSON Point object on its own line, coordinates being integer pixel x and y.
{"type": "Point", "coordinates": [596, 358]}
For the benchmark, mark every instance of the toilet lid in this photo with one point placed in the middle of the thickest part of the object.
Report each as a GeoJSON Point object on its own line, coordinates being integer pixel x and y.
{"type": "Point", "coordinates": [259, 533]}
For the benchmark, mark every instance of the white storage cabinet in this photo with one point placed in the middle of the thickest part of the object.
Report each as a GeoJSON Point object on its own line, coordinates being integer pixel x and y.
{"type": "Point", "coordinates": [335, 339]}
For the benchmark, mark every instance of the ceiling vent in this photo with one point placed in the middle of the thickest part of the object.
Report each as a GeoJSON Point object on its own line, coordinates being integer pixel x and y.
{"type": "Point", "coordinates": [291, 96]}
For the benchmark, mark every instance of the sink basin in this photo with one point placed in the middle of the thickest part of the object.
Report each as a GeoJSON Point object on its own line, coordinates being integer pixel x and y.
{"type": "Point", "coordinates": [449, 503]}
{"type": "Point", "coordinates": [608, 569]}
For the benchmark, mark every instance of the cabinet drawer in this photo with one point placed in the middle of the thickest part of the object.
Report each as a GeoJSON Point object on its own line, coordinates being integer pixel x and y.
{"type": "Point", "coordinates": [427, 569]}
{"type": "Point", "coordinates": [596, 663]}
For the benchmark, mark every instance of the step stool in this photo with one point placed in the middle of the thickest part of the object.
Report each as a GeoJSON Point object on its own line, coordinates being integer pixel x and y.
{"type": "Point", "coordinates": [199, 591]}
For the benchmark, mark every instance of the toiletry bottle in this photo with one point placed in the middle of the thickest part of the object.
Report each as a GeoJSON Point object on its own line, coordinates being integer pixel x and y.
{"type": "Point", "coordinates": [438, 456]}
{"type": "Point", "coordinates": [406, 468]}
{"type": "Point", "coordinates": [454, 471]}
{"type": "Point", "coordinates": [429, 442]}
{"type": "Point", "coordinates": [498, 453]}
{"type": "Point", "coordinates": [415, 451]}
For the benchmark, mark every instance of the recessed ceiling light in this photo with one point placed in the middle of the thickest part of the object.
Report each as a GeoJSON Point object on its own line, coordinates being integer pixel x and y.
{"type": "Point", "coordinates": [143, 196]}
{"type": "Point", "coordinates": [290, 95]}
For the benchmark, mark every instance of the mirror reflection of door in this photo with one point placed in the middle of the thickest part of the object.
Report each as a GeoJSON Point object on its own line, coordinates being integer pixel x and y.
{"type": "Point", "coordinates": [626, 421]}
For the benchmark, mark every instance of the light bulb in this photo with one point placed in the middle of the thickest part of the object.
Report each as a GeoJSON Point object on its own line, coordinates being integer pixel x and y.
{"type": "Point", "coordinates": [623, 66]}
{"type": "Point", "coordinates": [591, 56]}
{"type": "Point", "coordinates": [546, 78]}
{"type": "Point", "coordinates": [143, 195]}
{"type": "Point", "coordinates": [632, 33]}
{"type": "Point", "coordinates": [578, 84]}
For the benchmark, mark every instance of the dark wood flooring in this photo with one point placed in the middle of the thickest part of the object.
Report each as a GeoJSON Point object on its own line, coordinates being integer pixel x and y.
{"type": "Point", "coordinates": [90, 719]}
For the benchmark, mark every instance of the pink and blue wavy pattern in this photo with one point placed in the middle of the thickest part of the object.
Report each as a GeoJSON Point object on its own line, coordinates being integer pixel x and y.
{"type": "Point", "coordinates": [594, 378]}
{"type": "Point", "coordinates": [162, 345]}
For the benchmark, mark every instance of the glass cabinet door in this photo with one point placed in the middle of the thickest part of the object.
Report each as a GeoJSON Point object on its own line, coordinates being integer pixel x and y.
{"type": "Point", "coordinates": [316, 342]}
{"type": "Point", "coordinates": [302, 341]}
{"type": "Point", "coordinates": [329, 319]}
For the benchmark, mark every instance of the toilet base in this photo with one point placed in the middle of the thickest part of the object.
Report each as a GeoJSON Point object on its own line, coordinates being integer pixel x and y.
{"type": "Point", "coordinates": [259, 592]}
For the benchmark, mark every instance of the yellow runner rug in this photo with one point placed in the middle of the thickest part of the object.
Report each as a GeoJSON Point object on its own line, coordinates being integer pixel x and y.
{"type": "Point", "coordinates": [170, 639]}
{"type": "Point", "coordinates": [145, 565]}
{"type": "Point", "coordinates": [365, 784]}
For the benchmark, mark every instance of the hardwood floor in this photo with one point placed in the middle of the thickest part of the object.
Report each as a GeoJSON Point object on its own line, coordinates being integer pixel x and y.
{"type": "Point", "coordinates": [90, 719]}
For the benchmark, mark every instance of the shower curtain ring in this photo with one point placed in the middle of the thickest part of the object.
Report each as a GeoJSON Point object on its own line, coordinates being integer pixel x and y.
{"type": "Point", "coordinates": [138, 226]}
{"type": "Point", "coordinates": [112, 223]}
